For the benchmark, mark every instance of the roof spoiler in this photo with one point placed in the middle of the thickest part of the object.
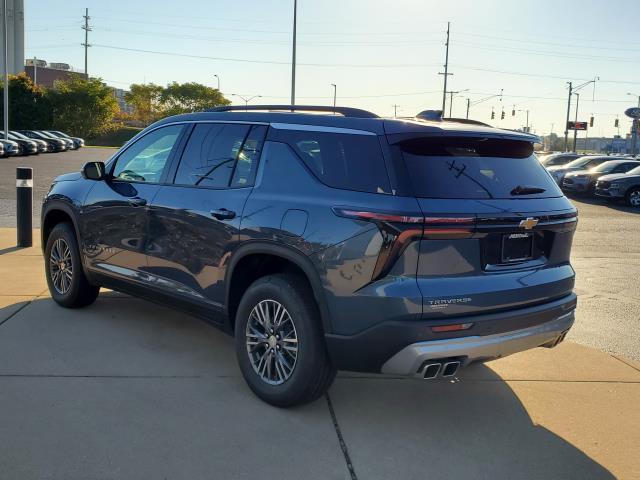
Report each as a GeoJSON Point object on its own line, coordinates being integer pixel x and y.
{"type": "Point", "coordinates": [345, 111]}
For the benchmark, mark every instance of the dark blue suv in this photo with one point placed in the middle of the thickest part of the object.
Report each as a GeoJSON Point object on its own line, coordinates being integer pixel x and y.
{"type": "Point", "coordinates": [325, 242]}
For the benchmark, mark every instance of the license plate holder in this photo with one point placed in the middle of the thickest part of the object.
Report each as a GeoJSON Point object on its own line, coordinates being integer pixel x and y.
{"type": "Point", "coordinates": [517, 247]}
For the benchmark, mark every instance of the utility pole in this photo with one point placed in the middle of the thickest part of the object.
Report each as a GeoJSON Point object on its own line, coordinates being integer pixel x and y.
{"type": "Point", "coordinates": [566, 125]}
{"type": "Point", "coordinates": [575, 130]}
{"type": "Point", "coordinates": [446, 71]}
{"type": "Point", "coordinates": [86, 45]}
{"type": "Point", "coordinates": [335, 91]}
{"type": "Point", "coordinates": [245, 99]}
{"type": "Point", "coordinates": [293, 58]}
{"type": "Point", "coordinates": [6, 69]}
{"type": "Point", "coordinates": [468, 106]}
{"type": "Point", "coordinates": [35, 71]}
{"type": "Point", "coordinates": [395, 111]}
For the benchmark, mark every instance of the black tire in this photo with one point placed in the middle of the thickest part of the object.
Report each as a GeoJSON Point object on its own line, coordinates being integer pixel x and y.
{"type": "Point", "coordinates": [312, 372]}
{"type": "Point", "coordinates": [79, 292]}
{"type": "Point", "coordinates": [633, 191]}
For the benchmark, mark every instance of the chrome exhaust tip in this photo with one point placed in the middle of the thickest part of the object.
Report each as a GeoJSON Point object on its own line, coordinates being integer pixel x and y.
{"type": "Point", "coordinates": [450, 369]}
{"type": "Point", "coordinates": [431, 371]}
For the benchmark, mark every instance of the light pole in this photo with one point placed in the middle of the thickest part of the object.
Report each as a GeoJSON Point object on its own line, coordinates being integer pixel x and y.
{"type": "Point", "coordinates": [246, 99]}
{"type": "Point", "coordinates": [335, 90]}
{"type": "Point", "coordinates": [6, 69]}
{"type": "Point", "coordinates": [293, 53]}
{"type": "Point", "coordinates": [634, 128]}
{"type": "Point", "coordinates": [451, 99]}
{"type": "Point", "coordinates": [218, 79]}
{"type": "Point", "coordinates": [575, 125]}
{"type": "Point", "coordinates": [526, 128]}
{"type": "Point", "coordinates": [572, 90]}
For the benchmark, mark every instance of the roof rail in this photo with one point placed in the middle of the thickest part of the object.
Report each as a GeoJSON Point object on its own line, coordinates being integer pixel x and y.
{"type": "Point", "coordinates": [345, 111]}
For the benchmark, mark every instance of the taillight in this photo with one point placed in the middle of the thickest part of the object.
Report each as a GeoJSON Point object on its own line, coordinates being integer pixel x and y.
{"type": "Point", "coordinates": [400, 229]}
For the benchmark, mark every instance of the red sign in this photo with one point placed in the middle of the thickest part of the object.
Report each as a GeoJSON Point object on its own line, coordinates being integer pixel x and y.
{"type": "Point", "coordinates": [577, 125]}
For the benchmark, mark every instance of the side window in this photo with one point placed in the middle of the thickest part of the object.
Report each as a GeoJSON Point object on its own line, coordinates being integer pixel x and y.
{"type": "Point", "coordinates": [209, 158]}
{"type": "Point", "coordinates": [145, 160]}
{"type": "Point", "coordinates": [245, 171]}
{"type": "Point", "coordinates": [625, 167]}
{"type": "Point", "coordinates": [346, 161]}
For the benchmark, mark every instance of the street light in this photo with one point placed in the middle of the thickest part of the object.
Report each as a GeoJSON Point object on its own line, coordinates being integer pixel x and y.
{"type": "Point", "coordinates": [246, 99]}
{"type": "Point", "coordinates": [451, 93]}
{"type": "Point", "coordinates": [218, 79]}
{"type": "Point", "coordinates": [635, 95]}
{"type": "Point", "coordinates": [335, 90]}
{"type": "Point", "coordinates": [575, 125]}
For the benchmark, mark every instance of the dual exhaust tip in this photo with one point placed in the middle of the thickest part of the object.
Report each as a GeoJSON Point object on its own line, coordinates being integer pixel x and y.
{"type": "Point", "coordinates": [434, 369]}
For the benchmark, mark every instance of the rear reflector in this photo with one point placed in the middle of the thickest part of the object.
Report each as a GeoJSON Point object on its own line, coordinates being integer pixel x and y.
{"type": "Point", "coordinates": [381, 217]}
{"type": "Point", "coordinates": [452, 328]}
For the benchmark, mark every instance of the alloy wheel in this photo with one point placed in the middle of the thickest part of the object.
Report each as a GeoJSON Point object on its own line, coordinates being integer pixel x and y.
{"type": "Point", "coordinates": [634, 198]}
{"type": "Point", "coordinates": [272, 342]}
{"type": "Point", "coordinates": [61, 266]}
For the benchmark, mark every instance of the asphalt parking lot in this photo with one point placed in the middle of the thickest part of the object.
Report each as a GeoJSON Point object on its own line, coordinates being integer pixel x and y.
{"type": "Point", "coordinates": [126, 389]}
{"type": "Point", "coordinates": [606, 253]}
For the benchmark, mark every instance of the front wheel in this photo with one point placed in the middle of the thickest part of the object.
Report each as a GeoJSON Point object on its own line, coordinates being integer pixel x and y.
{"type": "Point", "coordinates": [279, 342]}
{"type": "Point", "coordinates": [633, 197]}
{"type": "Point", "coordinates": [67, 282]}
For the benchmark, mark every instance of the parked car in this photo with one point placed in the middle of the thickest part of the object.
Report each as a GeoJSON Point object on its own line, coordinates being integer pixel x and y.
{"type": "Point", "coordinates": [55, 144]}
{"type": "Point", "coordinates": [25, 147]}
{"type": "Point", "coordinates": [325, 242]}
{"type": "Point", "coordinates": [584, 181]}
{"type": "Point", "coordinates": [11, 148]}
{"type": "Point", "coordinates": [619, 186]}
{"type": "Point", "coordinates": [71, 145]}
{"type": "Point", "coordinates": [43, 147]}
{"type": "Point", "coordinates": [78, 142]}
{"type": "Point", "coordinates": [583, 163]}
{"type": "Point", "coordinates": [1, 150]}
{"type": "Point", "coordinates": [556, 159]}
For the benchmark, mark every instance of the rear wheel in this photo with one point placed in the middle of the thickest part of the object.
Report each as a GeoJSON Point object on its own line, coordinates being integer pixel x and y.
{"type": "Point", "coordinates": [633, 197]}
{"type": "Point", "coordinates": [67, 282]}
{"type": "Point", "coordinates": [279, 342]}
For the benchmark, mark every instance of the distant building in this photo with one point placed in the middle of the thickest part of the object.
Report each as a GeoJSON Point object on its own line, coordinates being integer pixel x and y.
{"type": "Point", "coordinates": [119, 93]}
{"type": "Point", "coordinates": [45, 75]}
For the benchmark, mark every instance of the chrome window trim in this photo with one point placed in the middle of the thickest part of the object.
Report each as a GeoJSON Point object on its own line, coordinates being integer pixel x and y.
{"type": "Point", "coordinates": [319, 128]}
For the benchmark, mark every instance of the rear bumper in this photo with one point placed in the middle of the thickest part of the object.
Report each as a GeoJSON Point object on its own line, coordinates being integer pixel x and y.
{"type": "Point", "coordinates": [374, 349]}
{"type": "Point", "coordinates": [410, 359]}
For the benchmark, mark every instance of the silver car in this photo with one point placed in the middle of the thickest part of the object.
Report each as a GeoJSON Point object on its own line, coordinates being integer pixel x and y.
{"type": "Point", "coordinates": [620, 186]}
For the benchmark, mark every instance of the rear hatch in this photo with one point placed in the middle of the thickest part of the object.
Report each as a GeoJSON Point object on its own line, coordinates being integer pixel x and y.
{"type": "Point", "coordinates": [498, 230]}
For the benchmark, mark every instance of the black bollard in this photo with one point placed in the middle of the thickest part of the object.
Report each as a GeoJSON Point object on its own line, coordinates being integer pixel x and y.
{"type": "Point", "coordinates": [24, 206]}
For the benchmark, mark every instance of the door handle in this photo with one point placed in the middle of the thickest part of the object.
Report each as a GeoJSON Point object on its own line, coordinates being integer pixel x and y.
{"type": "Point", "coordinates": [223, 214]}
{"type": "Point", "coordinates": [137, 202]}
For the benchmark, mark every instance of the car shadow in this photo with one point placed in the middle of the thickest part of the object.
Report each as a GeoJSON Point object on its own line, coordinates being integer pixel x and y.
{"type": "Point", "coordinates": [474, 427]}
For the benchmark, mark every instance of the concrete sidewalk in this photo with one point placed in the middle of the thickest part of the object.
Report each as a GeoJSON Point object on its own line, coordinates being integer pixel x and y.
{"type": "Point", "coordinates": [126, 389]}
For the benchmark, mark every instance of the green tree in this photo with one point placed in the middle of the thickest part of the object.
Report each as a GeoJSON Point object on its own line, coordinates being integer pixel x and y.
{"type": "Point", "coordinates": [145, 99]}
{"type": "Point", "coordinates": [82, 107]}
{"type": "Point", "coordinates": [188, 97]}
{"type": "Point", "coordinates": [28, 104]}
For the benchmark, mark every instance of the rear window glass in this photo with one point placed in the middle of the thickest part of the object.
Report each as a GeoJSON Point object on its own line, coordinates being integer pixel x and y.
{"type": "Point", "coordinates": [346, 161]}
{"type": "Point", "coordinates": [477, 168]}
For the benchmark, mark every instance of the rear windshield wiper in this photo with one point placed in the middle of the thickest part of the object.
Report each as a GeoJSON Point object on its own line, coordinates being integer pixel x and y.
{"type": "Point", "coordinates": [527, 190]}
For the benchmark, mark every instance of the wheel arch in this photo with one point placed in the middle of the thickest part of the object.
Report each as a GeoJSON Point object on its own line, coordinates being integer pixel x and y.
{"type": "Point", "coordinates": [53, 213]}
{"type": "Point", "coordinates": [285, 255]}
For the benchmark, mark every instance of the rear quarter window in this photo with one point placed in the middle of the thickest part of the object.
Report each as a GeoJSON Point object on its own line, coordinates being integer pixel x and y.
{"type": "Point", "coordinates": [345, 161]}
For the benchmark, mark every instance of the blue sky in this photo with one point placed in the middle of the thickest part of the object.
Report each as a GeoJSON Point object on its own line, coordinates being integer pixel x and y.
{"type": "Point", "coordinates": [378, 52]}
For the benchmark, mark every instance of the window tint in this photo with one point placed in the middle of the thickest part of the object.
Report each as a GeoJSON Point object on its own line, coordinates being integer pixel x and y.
{"type": "Point", "coordinates": [210, 155]}
{"type": "Point", "coordinates": [146, 158]}
{"type": "Point", "coordinates": [350, 162]}
{"type": "Point", "coordinates": [247, 164]}
{"type": "Point", "coordinates": [475, 168]}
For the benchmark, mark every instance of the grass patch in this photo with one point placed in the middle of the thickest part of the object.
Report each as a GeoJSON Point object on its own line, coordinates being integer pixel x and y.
{"type": "Point", "coordinates": [117, 138]}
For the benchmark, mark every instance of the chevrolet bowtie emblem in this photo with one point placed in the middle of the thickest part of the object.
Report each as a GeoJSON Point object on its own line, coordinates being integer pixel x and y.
{"type": "Point", "coordinates": [529, 223]}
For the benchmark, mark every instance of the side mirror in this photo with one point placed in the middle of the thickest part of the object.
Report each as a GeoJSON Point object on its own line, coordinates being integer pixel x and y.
{"type": "Point", "coordinates": [93, 171]}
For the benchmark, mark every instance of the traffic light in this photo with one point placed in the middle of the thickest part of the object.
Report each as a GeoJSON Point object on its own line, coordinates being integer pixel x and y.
{"type": "Point", "coordinates": [591, 121]}
{"type": "Point", "coordinates": [502, 115]}
{"type": "Point", "coordinates": [493, 115]}
{"type": "Point", "coordinates": [616, 123]}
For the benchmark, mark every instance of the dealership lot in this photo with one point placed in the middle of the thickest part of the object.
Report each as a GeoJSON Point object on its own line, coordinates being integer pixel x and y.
{"type": "Point", "coordinates": [128, 389]}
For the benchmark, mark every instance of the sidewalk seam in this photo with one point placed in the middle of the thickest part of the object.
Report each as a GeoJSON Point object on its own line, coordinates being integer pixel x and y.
{"type": "Point", "coordinates": [16, 312]}
{"type": "Point", "coordinates": [343, 445]}
{"type": "Point", "coordinates": [627, 364]}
